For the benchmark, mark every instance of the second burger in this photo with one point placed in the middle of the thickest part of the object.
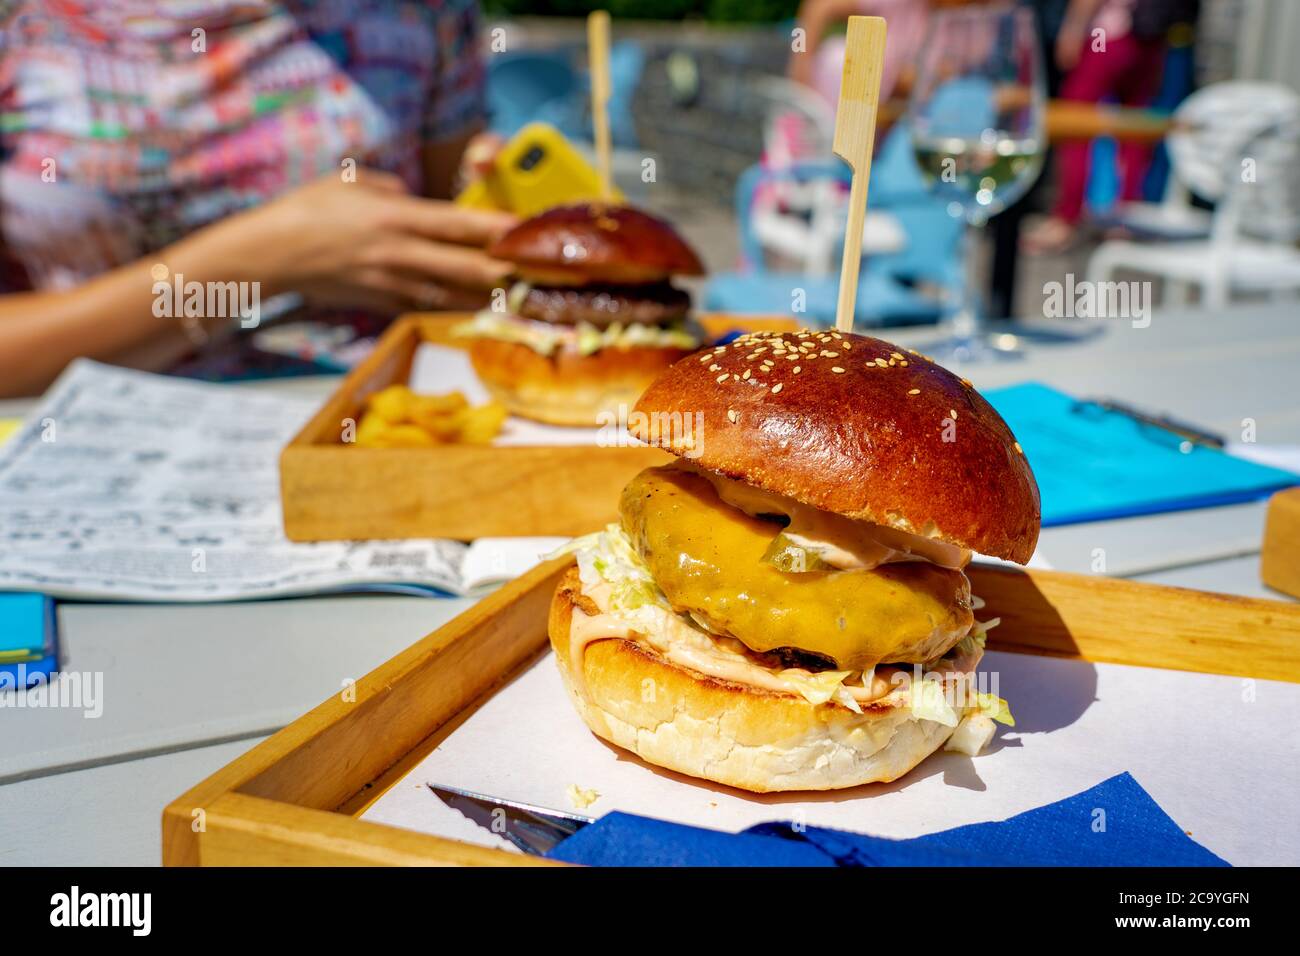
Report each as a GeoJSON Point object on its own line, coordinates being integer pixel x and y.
{"type": "Point", "coordinates": [593, 317]}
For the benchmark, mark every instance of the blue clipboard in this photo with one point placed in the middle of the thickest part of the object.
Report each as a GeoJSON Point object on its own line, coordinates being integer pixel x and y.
{"type": "Point", "coordinates": [1096, 464]}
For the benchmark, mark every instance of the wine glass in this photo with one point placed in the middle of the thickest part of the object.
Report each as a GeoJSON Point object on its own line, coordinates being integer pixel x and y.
{"type": "Point", "coordinates": [976, 119]}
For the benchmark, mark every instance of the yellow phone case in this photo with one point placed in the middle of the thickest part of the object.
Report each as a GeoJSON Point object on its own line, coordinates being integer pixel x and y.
{"type": "Point", "coordinates": [536, 170]}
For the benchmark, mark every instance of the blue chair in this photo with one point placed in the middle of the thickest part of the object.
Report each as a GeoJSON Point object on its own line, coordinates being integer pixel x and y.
{"type": "Point", "coordinates": [534, 85]}
{"type": "Point", "coordinates": [543, 85]}
{"type": "Point", "coordinates": [885, 285]}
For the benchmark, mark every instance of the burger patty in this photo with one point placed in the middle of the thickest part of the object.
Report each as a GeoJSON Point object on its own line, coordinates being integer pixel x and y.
{"type": "Point", "coordinates": [707, 558]}
{"type": "Point", "coordinates": [657, 303]}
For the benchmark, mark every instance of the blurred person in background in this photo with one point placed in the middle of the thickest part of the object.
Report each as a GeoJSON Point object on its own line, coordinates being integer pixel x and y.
{"type": "Point", "coordinates": [821, 63]}
{"type": "Point", "coordinates": [1106, 49]}
{"type": "Point", "coordinates": [308, 147]}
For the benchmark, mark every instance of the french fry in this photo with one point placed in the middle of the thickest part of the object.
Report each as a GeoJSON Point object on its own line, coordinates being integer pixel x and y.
{"type": "Point", "coordinates": [478, 426]}
{"type": "Point", "coordinates": [392, 404]}
{"type": "Point", "coordinates": [399, 418]}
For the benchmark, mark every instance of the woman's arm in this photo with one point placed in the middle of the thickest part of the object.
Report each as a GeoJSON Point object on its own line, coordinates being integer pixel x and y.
{"type": "Point", "coordinates": [362, 243]}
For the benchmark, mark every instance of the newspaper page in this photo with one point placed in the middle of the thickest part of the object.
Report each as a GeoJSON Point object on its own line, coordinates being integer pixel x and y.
{"type": "Point", "coordinates": [124, 485]}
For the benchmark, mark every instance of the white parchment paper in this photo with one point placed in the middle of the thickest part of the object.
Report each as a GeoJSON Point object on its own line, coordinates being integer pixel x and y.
{"type": "Point", "coordinates": [1217, 753]}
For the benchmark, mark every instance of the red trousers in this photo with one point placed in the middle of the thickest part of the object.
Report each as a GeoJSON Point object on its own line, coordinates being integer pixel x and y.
{"type": "Point", "coordinates": [1128, 70]}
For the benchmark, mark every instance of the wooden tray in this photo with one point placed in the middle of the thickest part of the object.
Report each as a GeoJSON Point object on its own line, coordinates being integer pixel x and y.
{"type": "Point", "coordinates": [332, 491]}
{"type": "Point", "coordinates": [294, 799]}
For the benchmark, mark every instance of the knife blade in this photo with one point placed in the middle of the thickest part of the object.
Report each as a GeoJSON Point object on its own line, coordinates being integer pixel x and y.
{"type": "Point", "coordinates": [532, 829]}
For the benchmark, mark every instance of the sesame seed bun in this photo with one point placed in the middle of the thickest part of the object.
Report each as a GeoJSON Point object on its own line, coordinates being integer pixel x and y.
{"type": "Point", "coordinates": [566, 387]}
{"type": "Point", "coordinates": [570, 245]}
{"type": "Point", "coordinates": [733, 734]}
{"type": "Point", "coordinates": [863, 428]}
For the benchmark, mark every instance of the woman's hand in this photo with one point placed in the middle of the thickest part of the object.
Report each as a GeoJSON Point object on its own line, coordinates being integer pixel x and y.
{"type": "Point", "coordinates": [479, 156]}
{"type": "Point", "coordinates": [366, 243]}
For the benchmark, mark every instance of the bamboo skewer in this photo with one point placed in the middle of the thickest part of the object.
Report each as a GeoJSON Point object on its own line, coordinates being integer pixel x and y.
{"type": "Point", "coordinates": [855, 135]}
{"type": "Point", "coordinates": [598, 65]}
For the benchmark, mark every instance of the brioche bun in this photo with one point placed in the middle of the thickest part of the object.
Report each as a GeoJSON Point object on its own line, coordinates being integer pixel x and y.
{"type": "Point", "coordinates": [566, 387]}
{"type": "Point", "coordinates": [733, 734]}
{"type": "Point", "coordinates": [855, 426]}
{"type": "Point", "coordinates": [570, 245]}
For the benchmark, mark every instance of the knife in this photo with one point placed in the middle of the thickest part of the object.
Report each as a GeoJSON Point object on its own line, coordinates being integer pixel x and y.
{"type": "Point", "coordinates": [534, 830]}
{"type": "Point", "coordinates": [619, 838]}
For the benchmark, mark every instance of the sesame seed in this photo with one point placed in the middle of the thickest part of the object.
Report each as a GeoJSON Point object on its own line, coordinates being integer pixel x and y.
{"type": "Point", "coordinates": [896, 355]}
{"type": "Point", "coordinates": [735, 378]}
{"type": "Point", "coordinates": [1019, 449]}
{"type": "Point", "coordinates": [837, 370]}
{"type": "Point", "coordinates": [714, 367]}
{"type": "Point", "coordinates": [830, 355]}
{"type": "Point", "coordinates": [732, 416]}
{"type": "Point", "coordinates": [903, 363]}
{"type": "Point", "coordinates": [722, 378]}
{"type": "Point", "coordinates": [952, 413]}
{"type": "Point", "coordinates": [913, 391]}
{"type": "Point", "coordinates": [798, 369]}
{"type": "Point", "coordinates": [746, 375]}
{"type": "Point", "coordinates": [882, 363]}
{"type": "Point", "coordinates": [776, 388]}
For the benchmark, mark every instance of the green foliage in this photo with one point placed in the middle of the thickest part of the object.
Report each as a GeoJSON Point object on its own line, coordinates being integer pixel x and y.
{"type": "Point", "coordinates": [722, 11]}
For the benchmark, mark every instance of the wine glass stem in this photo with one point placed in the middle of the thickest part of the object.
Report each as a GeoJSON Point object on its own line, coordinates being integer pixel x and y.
{"type": "Point", "coordinates": [967, 321]}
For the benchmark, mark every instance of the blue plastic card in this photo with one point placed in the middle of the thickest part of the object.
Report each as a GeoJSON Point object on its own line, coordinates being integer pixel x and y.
{"type": "Point", "coordinates": [29, 650]}
{"type": "Point", "coordinates": [26, 623]}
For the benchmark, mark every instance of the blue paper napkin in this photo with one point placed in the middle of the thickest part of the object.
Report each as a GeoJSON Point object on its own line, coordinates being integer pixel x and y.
{"type": "Point", "coordinates": [1116, 823]}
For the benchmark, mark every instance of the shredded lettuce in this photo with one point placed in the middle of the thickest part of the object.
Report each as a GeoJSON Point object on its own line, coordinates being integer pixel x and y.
{"type": "Point", "coordinates": [608, 556]}
{"type": "Point", "coordinates": [544, 338]}
{"type": "Point", "coordinates": [995, 708]}
{"type": "Point", "coordinates": [816, 688]}
{"type": "Point", "coordinates": [929, 701]}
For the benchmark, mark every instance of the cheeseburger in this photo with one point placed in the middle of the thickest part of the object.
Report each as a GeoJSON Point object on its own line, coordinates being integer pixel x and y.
{"type": "Point", "coordinates": [593, 318]}
{"type": "Point", "coordinates": [784, 606]}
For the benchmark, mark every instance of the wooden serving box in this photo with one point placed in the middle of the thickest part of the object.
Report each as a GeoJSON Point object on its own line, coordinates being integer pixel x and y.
{"type": "Point", "coordinates": [295, 798]}
{"type": "Point", "coordinates": [331, 491]}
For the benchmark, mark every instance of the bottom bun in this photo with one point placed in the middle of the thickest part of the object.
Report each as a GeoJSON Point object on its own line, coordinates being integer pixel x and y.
{"type": "Point", "coordinates": [731, 733]}
{"type": "Point", "coordinates": [567, 388]}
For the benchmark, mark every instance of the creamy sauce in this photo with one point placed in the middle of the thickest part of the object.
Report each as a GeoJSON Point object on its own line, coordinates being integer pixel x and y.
{"type": "Point", "coordinates": [839, 541]}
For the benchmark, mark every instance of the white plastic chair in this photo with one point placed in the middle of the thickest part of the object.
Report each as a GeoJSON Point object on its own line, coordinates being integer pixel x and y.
{"type": "Point", "coordinates": [805, 225]}
{"type": "Point", "coordinates": [1250, 241]}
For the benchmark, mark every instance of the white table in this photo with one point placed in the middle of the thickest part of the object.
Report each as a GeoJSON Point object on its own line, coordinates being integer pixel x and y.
{"type": "Point", "coordinates": [188, 688]}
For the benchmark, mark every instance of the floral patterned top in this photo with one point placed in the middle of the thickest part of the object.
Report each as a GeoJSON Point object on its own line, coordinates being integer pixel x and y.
{"type": "Point", "coordinates": [126, 124]}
